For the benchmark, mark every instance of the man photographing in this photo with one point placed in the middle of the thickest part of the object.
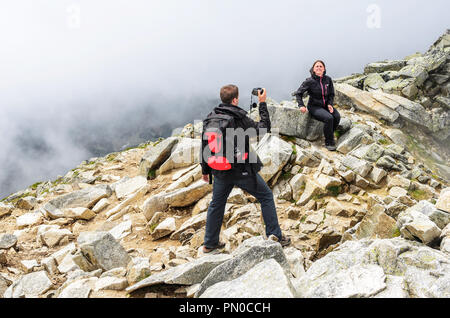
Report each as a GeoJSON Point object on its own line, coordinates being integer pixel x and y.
{"type": "Point", "coordinates": [240, 169]}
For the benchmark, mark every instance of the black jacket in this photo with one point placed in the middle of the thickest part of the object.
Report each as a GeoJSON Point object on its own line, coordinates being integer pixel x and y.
{"type": "Point", "coordinates": [245, 122]}
{"type": "Point", "coordinates": [320, 90]}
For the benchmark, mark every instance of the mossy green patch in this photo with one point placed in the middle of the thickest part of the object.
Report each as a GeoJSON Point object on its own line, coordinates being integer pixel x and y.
{"type": "Point", "coordinates": [418, 194]}
{"type": "Point", "coordinates": [334, 190]}
{"type": "Point", "coordinates": [151, 174]}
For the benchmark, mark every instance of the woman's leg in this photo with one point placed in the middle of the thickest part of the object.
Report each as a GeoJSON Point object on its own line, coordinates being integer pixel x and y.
{"type": "Point", "coordinates": [327, 118]}
{"type": "Point", "coordinates": [337, 119]}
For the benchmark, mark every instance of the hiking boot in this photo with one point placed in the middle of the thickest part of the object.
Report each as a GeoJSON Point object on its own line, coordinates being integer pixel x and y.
{"type": "Point", "coordinates": [330, 147]}
{"type": "Point", "coordinates": [209, 250]}
{"type": "Point", "coordinates": [285, 241]}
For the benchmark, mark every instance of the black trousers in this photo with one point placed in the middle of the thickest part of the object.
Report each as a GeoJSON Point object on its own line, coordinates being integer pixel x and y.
{"type": "Point", "coordinates": [331, 121]}
{"type": "Point", "coordinates": [221, 190]}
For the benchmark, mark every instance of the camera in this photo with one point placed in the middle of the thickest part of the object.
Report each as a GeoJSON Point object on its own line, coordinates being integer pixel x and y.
{"type": "Point", "coordinates": [255, 91]}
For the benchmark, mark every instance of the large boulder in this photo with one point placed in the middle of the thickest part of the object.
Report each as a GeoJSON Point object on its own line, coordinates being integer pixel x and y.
{"type": "Point", "coordinates": [383, 66]}
{"type": "Point", "coordinates": [415, 225]}
{"type": "Point", "coordinates": [378, 268]}
{"type": "Point", "coordinates": [265, 280]}
{"type": "Point", "coordinates": [274, 153]}
{"type": "Point", "coordinates": [443, 202]}
{"type": "Point", "coordinates": [290, 121]}
{"type": "Point", "coordinates": [251, 252]}
{"type": "Point", "coordinates": [102, 251]}
{"type": "Point", "coordinates": [363, 101]}
{"type": "Point", "coordinates": [156, 155]}
{"type": "Point", "coordinates": [185, 274]}
{"type": "Point", "coordinates": [351, 139]}
{"type": "Point", "coordinates": [29, 286]}
{"type": "Point", "coordinates": [185, 153]}
{"type": "Point", "coordinates": [85, 198]}
{"type": "Point", "coordinates": [189, 195]}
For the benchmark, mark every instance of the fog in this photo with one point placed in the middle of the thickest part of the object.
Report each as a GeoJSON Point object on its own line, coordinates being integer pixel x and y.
{"type": "Point", "coordinates": [80, 78]}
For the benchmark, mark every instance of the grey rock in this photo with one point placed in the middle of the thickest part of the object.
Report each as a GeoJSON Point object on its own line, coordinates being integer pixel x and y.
{"type": "Point", "coordinates": [274, 153]}
{"type": "Point", "coordinates": [102, 250]}
{"type": "Point", "coordinates": [29, 285]}
{"type": "Point", "coordinates": [415, 225]}
{"type": "Point", "coordinates": [351, 139]}
{"type": "Point", "coordinates": [383, 66]}
{"type": "Point", "coordinates": [247, 256]}
{"type": "Point", "coordinates": [265, 280]}
{"type": "Point", "coordinates": [360, 167]}
{"type": "Point", "coordinates": [388, 163]}
{"type": "Point", "coordinates": [85, 198]}
{"type": "Point", "coordinates": [156, 155]}
{"type": "Point", "coordinates": [7, 241]}
{"type": "Point", "coordinates": [185, 274]}
{"type": "Point", "coordinates": [440, 218]}
{"type": "Point", "coordinates": [78, 289]}
{"type": "Point", "coordinates": [185, 153]}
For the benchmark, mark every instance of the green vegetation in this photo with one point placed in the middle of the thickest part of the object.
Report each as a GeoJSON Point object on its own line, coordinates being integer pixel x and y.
{"type": "Point", "coordinates": [294, 149]}
{"type": "Point", "coordinates": [111, 156]}
{"type": "Point", "coordinates": [286, 175]}
{"type": "Point", "coordinates": [35, 185]}
{"type": "Point", "coordinates": [151, 174]}
{"type": "Point", "coordinates": [337, 134]}
{"type": "Point", "coordinates": [334, 190]}
{"type": "Point", "coordinates": [418, 194]}
{"type": "Point", "coordinates": [152, 227]}
{"type": "Point", "coordinates": [396, 233]}
{"type": "Point", "coordinates": [302, 220]}
{"type": "Point", "coordinates": [384, 141]}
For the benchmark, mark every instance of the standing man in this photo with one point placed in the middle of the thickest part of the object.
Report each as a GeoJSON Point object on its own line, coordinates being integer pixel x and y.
{"type": "Point", "coordinates": [243, 174]}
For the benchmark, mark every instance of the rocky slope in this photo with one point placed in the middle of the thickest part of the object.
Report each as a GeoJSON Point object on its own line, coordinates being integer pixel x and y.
{"type": "Point", "coordinates": [370, 220]}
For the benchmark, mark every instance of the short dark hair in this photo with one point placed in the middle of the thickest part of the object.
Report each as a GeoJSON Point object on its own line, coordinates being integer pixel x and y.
{"type": "Point", "coordinates": [228, 93]}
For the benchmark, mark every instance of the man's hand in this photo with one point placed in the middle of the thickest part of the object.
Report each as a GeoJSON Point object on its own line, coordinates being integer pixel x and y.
{"type": "Point", "coordinates": [205, 177]}
{"type": "Point", "coordinates": [330, 108]}
{"type": "Point", "coordinates": [262, 98]}
{"type": "Point", "coordinates": [303, 109]}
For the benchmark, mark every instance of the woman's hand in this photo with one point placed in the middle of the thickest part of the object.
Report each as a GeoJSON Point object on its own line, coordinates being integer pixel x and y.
{"type": "Point", "coordinates": [330, 108]}
{"type": "Point", "coordinates": [303, 109]}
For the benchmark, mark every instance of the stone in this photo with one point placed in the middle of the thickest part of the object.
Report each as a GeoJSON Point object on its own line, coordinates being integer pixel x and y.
{"type": "Point", "coordinates": [361, 268]}
{"type": "Point", "coordinates": [383, 66]}
{"type": "Point", "coordinates": [373, 81]}
{"type": "Point", "coordinates": [414, 225]}
{"type": "Point", "coordinates": [156, 155]}
{"type": "Point", "coordinates": [100, 205]}
{"type": "Point", "coordinates": [195, 222]}
{"type": "Point", "coordinates": [187, 196]}
{"type": "Point", "coordinates": [376, 224]}
{"type": "Point", "coordinates": [296, 260]}
{"type": "Point", "coordinates": [138, 269]}
{"type": "Point", "coordinates": [155, 203]}
{"type": "Point", "coordinates": [79, 288]}
{"type": "Point", "coordinates": [184, 153]}
{"type": "Point", "coordinates": [377, 174]}
{"type": "Point", "coordinates": [359, 166]}
{"type": "Point", "coordinates": [237, 196]}
{"type": "Point", "coordinates": [363, 101]}
{"type": "Point", "coordinates": [371, 152]}
{"type": "Point", "coordinates": [7, 241]}
{"type": "Point", "coordinates": [29, 219]}
{"type": "Point", "coordinates": [50, 265]}
{"type": "Point", "coordinates": [397, 136]}
{"type": "Point", "coordinates": [52, 237]}
{"type": "Point", "coordinates": [78, 213]}
{"type": "Point", "coordinates": [311, 189]}
{"type": "Point", "coordinates": [130, 186]}
{"type": "Point", "coordinates": [297, 183]}
{"type": "Point", "coordinates": [85, 198]}
{"type": "Point", "coordinates": [250, 253]}
{"type": "Point", "coordinates": [443, 203]}
{"type": "Point", "coordinates": [399, 181]}
{"type": "Point", "coordinates": [121, 230]}
{"type": "Point", "coordinates": [361, 182]}
{"type": "Point", "coordinates": [290, 121]}
{"type": "Point", "coordinates": [351, 139]}
{"type": "Point", "coordinates": [5, 209]}
{"type": "Point", "coordinates": [26, 203]}
{"type": "Point", "coordinates": [102, 250]}
{"type": "Point", "coordinates": [265, 280]}
{"type": "Point", "coordinates": [388, 163]}
{"type": "Point", "coordinates": [439, 217]}
{"type": "Point", "coordinates": [30, 285]}
{"type": "Point", "coordinates": [185, 274]}
{"type": "Point", "coordinates": [111, 283]}
{"type": "Point", "coordinates": [165, 228]}
{"type": "Point", "coordinates": [397, 192]}
{"type": "Point", "coordinates": [28, 265]}
{"type": "Point", "coordinates": [274, 153]}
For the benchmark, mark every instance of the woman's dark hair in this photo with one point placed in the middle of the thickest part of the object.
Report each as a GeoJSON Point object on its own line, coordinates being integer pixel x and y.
{"type": "Point", "coordinates": [318, 61]}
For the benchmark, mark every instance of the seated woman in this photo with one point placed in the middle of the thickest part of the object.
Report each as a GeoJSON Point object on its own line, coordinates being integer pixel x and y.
{"type": "Point", "coordinates": [320, 105]}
